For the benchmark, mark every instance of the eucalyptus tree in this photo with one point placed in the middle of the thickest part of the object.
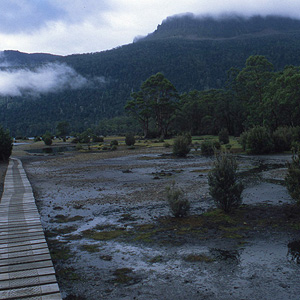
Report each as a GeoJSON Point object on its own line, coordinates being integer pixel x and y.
{"type": "Point", "coordinates": [157, 100]}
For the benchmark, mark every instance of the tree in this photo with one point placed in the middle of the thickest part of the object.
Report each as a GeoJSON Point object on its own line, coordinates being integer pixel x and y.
{"type": "Point", "coordinates": [157, 100]}
{"type": "Point", "coordinates": [140, 108]}
{"type": "Point", "coordinates": [251, 84]}
{"type": "Point", "coordinates": [223, 184]}
{"type": "Point", "coordinates": [6, 144]}
{"type": "Point", "coordinates": [62, 129]}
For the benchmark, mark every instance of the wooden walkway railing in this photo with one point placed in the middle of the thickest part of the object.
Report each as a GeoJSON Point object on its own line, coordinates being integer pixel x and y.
{"type": "Point", "coordinates": [26, 269]}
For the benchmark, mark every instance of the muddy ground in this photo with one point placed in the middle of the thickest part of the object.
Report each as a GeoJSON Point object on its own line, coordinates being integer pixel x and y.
{"type": "Point", "coordinates": [112, 236]}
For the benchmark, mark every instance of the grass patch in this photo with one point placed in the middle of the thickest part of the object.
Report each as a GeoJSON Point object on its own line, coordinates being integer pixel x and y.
{"type": "Point", "coordinates": [90, 248]}
{"type": "Point", "coordinates": [156, 259]}
{"type": "Point", "coordinates": [104, 235]}
{"type": "Point", "coordinates": [66, 219]}
{"type": "Point", "coordinates": [198, 258]}
{"type": "Point", "coordinates": [121, 275]}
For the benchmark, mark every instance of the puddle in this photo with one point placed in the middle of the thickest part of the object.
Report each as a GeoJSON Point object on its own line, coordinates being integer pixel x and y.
{"type": "Point", "coordinates": [51, 150]}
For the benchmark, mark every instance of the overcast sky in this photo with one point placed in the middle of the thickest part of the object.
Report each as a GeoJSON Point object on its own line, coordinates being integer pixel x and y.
{"type": "Point", "coordinates": [80, 26]}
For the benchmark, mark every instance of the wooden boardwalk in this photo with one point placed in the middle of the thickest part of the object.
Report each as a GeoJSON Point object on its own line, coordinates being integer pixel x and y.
{"type": "Point", "coordinates": [26, 269]}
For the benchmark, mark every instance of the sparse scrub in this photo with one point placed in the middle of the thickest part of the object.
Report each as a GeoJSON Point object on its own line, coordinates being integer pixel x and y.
{"type": "Point", "coordinates": [259, 140]}
{"type": "Point", "coordinates": [114, 143]}
{"type": "Point", "coordinates": [209, 147]}
{"type": "Point", "coordinates": [292, 179]}
{"type": "Point", "coordinates": [47, 139]}
{"type": "Point", "coordinates": [181, 146]}
{"type": "Point", "coordinates": [282, 138]}
{"type": "Point", "coordinates": [6, 144]}
{"type": "Point", "coordinates": [129, 139]}
{"type": "Point", "coordinates": [224, 136]}
{"type": "Point", "coordinates": [178, 204]}
{"type": "Point", "coordinates": [223, 184]}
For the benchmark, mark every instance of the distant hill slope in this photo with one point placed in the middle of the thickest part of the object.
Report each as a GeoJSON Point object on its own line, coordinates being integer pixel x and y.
{"type": "Point", "coordinates": [192, 53]}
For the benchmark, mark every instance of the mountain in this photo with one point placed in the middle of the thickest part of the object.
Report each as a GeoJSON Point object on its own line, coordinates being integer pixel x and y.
{"type": "Point", "coordinates": [192, 52]}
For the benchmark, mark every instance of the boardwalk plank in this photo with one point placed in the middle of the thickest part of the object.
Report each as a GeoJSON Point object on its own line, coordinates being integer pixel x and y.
{"type": "Point", "coordinates": [26, 269]}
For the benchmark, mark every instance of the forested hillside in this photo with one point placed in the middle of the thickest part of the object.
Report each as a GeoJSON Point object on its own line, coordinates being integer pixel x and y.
{"type": "Point", "coordinates": [194, 54]}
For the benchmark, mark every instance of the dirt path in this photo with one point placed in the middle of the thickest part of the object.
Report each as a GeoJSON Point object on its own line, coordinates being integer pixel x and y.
{"type": "Point", "coordinates": [112, 235]}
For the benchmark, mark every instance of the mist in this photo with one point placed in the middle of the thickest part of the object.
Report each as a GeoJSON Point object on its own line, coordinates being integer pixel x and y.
{"type": "Point", "coordinates": [52, 77]}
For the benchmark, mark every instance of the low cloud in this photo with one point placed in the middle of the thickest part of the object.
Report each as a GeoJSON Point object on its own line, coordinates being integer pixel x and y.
{"type": "Point", "coordinates": [52, 77]}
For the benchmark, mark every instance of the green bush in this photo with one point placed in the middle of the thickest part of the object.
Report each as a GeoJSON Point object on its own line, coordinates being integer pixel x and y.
{"type": "Point", "coordinates": [47, 139]}
{"type": "Point", "coordinates": [129, 139]}
{"type": "Point", "coordinates": [292, 179]}
{"type": "Point", "coordinates": [98, 139]}
{"type": "Point", "coordinates": [243, 140]}
{"type": "Point", "coordinates": [259, 140]}
{"type": "Point", "coordinates": [6, 144]}
{"type": "Point", "coordinates": [283, 138]}
{"type": "Point", "coordinates": [209, 147]}
{"type": "Point", "coordinates": [178, 204]}
{"type": "Point", "coordinates": [223, 184]}
{"type": "Point", "coordinates": [114, 143]}
{"type": "Point", "coordinates": [181, 146]}
{"type": "Point", "coordinates": [224, 136]}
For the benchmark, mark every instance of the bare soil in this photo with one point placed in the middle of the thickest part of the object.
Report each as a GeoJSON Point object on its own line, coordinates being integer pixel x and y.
{"type": "Point", "coordinates": [112, 236]}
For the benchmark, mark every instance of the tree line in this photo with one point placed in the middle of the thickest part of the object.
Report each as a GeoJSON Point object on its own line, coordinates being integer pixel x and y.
{"type": "Point", "coordinates": [255, 95]}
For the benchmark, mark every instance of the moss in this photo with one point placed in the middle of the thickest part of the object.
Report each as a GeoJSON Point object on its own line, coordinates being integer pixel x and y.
{"type": "Point", "coordinates": [156, 259]}
{"type": "Point", "coordinates": [68, 274]}
{"type": "Point", "coordinates": [121, 275]}
{"type": "Point", "coordinates": [106, 257]}
{"type": "Point", "coordinates": [58, 250]}
{"type": "Point", "coordinates": [66, 219]}
{"type": "Point", "coordinates": [65, 230]}
{"type": "Point", "coordinates": [90, 248]}
{"type": "Point", "coordinates": [198, 258]}
{"type": "Point", "coordinates": [104, 235]}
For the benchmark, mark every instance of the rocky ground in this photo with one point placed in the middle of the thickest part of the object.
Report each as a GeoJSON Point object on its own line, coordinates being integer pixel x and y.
{"type": "Point", "coordinates": [112, 236]}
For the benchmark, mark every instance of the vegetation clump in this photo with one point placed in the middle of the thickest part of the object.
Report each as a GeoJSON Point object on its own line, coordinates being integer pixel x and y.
{"type": "Point", "coordinates": [181, 146]}
{"type": "Point", "coordinates": [224, 136]}
{"type": "Point", "coordinates": [223, 184]}
{"type": "Point", "coordinates": [129, 139]}
{"type": "Point", "coordinates": [6, 144]}
{"type": "Point", "coordinates": [178, 204]}
{"type": "Point", "coordinates": [209, 147]}
{"type": "Point", "coordinates": [47, 138]}
{"type": "Point", "coordinates": [258, 140]}
{"type": "Point", "coordinates": [292, 179]}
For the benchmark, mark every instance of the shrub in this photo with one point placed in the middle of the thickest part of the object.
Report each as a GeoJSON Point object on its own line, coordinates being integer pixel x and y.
{"type": "Point", "coordinates": [243, 140]}
{"type": "Point", "coordinates": [181, 146]}
{"type": "Point", "coordinates": [114, 147]}
{"type": "Point", "coordinates": [37, 139]}
{"type": "Point", "coordinates": [178, 204]}
{"type": "Point", "coordinates": [98, 139]}
{"type": "Point", "coordinates": [6, 144]}
{"type": "Point", "coordinates": [114, 143]}
{"type": "Point", "coordinates": [223, 184]}
{"type": "Point", "coordinates": [79, 147]}
{"type": "Point", "coordinates": [47, 139]}
{"type": "Point", "coordinates": [209, 147]}
{"type": "Point", "coordinates": [292, 179]}
{"type": "Point", "coordinates": [282, 138]}
{"type": "Point", "coordinates": [224, 136]}
{"type": "Point", "coordinates": [129, 139]}
{"type": "Point", "coordinates": [259, 140]}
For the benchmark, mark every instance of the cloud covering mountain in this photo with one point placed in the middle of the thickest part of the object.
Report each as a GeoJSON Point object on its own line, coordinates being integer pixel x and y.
{"type": "Point", "coordinates": [80, 26]}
